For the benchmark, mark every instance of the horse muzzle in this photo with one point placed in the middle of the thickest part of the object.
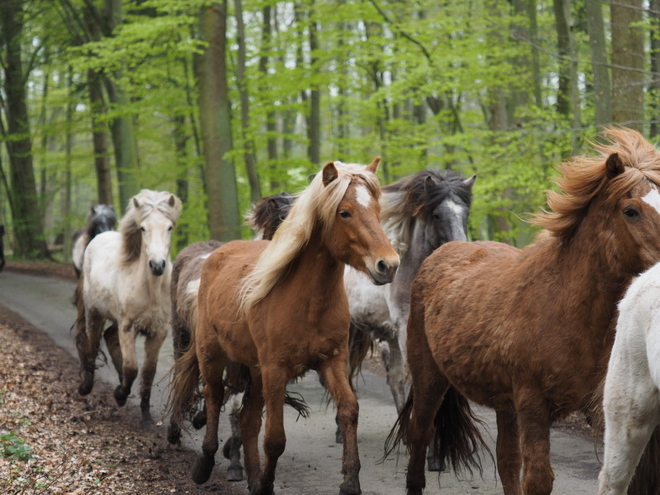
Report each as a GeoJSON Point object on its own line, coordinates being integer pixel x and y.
{"type": "Point", "coordinates": [157, 267]}
{"type": "Point", "coordinates": [383, 271]}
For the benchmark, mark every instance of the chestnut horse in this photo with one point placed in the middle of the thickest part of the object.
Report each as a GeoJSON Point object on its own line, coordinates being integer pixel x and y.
{"type": "Point", "coordinates": [529, 332]}
{"type": "Point", "coordinates": [280, 308]}
{"type": "Point", "coordinates": [264, 219]}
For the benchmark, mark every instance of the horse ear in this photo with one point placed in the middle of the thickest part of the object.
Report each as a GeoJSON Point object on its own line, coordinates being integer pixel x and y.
{"type": "Point", "coordinates": [171, 201]}
{"type": "Point", "coordinates": [429, 183]}
{"type": "Point", "coordinates": [373, 166]}
{"type": "Point", "coordinates": [614, 166]}
{"type": "Point", "coordinates": [470, 182]}
{"type": "Point", "coordinates": [135, 203]}
{"type": "Point", "coordinates": [329, 173]}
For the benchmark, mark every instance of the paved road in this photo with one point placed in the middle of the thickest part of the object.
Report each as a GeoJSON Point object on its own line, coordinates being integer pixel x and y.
{"type": "Point", "coordinates": [311, 462]}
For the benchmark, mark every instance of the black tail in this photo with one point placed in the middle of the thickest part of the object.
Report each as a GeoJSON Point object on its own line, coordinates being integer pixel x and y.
{"type": "Point", "coordinates": [457, 438]}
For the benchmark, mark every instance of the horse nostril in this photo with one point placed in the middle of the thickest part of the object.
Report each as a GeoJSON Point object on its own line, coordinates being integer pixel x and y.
{"type": "Point", "coordinates": [382, 267]}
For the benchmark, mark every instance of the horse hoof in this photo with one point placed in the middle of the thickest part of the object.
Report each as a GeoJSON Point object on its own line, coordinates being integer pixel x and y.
{"type": "Point", "coordinates": [174, 434]}
{"type": "Point", "coordinates": [148, 424]}
{"type": "Point", "coordinates": [234, 473]}
{"type": "Point", "coordinates": [202, 470]}
{"type": "Point", "coordinates": [120, 396]}
{"type": "Point", "coordinates": [435, 465]}
{"type": "Point", "coordinates": [257, 489]}
{"type": "Point", "coordinates": [85, 387]}
{"type": "Point", "coordinates": [348, 491]}
{"type": "Point", "coordinates": [199, 421]}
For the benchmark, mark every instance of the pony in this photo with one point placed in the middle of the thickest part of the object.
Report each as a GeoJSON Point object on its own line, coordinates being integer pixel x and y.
{"type": "Point", "coordinates": [126, 279]}
{"type": "Point", "coordinates": [631, 402]}
{"type": "Point", "coordinates": [280, 308]}
{"type": "Point", "coordinates": [101, 218]}
{"type": "Point", "coordinates": [418, 213]}
{"type": "Point", "coordinates": [528, 332]}
{"type": "Point", "coordinates": [264, 218]}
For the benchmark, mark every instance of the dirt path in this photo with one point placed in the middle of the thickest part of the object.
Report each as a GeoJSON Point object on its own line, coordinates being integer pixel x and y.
{"type": "Point", "coordinates": [311, 462]}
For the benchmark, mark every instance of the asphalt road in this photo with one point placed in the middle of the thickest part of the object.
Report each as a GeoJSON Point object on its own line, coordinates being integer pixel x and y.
{"type": "Point", "coordinates": [311, 463]}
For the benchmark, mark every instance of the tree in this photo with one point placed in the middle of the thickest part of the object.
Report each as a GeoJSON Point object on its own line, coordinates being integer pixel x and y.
{"type": "Point", "coordinates": [27, 222]}
{"type": "Point", "coordinates": [224, 215]}
{"type": "Point", "coordinates": [602, 86]}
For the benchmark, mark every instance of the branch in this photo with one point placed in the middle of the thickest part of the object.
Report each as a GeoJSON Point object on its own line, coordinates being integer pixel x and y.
{"type": "Point", "coordinates": [402, 32]}
{"type": "Point", "coordinates": [33, 58]}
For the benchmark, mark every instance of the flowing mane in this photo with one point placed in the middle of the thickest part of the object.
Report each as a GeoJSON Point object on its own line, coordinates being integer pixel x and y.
{"type": "Point", "coordinates": [99, 211]}
{"type": "Point", "coordinates": [582, 178]}
{"type": "Point", "coordinates": [139, 207]}
{"type": "Point", "coordinates": [416, 197]}
{"type": "Point", "coordinates": [316, 205]}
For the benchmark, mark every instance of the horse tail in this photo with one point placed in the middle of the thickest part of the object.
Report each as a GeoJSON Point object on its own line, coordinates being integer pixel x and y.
{"type": "Point", "coordinates": [401, 427]}
{"type": "Point", "coordinates": [457, 438]}
{"type": "Point", "coordinates": [80, 329]}
{"type": "Point", "coordinates": [184, 385]}
{"type": "Point", "coordinates": [360, 342]}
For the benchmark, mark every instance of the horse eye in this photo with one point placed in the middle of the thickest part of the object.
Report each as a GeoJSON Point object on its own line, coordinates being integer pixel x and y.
{"type": "Point", "coordinates": [169, 229]}
{"type": "Point", "coordinates": [345, 214]}
{"type": "Point", "coordinates": [631, 213]}
{"type": "Point", "coordinates": [143, 229]}
{"type": "Point", "coordinates": [436, 217]}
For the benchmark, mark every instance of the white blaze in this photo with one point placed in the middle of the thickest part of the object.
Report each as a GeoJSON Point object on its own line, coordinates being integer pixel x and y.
{"type": "Point", "coordinates": [363, 196]}
{"type": "Point", "coordinates": [653, 199]}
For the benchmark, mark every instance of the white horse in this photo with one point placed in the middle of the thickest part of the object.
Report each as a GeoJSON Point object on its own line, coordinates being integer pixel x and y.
{"type": "Point", "coordinates": [126, 279]}
{"type": "Point", "coordinates": [632, 387]}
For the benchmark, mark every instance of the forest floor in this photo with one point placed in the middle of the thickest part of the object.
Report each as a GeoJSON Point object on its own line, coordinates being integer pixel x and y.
{"type": "Point", "coordinates": [54, 441]}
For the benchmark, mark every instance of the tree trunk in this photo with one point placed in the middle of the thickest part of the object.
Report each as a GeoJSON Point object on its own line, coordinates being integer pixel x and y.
{"type": "Point", "coordinates": [180, 140]}
{"type": "Point", "coordinates": [627, 63]}
{"type": "Point", "coordinates": [123, 135]}
{"type": "Point", "coordinates": [536, 59]}
{"type": "Point", "coordinates": [248, 143]}
{"type": "Point", "coordinates": [29, 239]}
{"type": "Point", "coordinates": [224, 215]}
{"type": "Point", "coordinates": [99, 139]}
{"type": "Point", "coordinates": [602, 86]}
{"type": "Point", "coordinates": [271, 122]}
{"type": "Point", "coordinates": [314, 129]}
{"type": "Point", "coordinates": [66, 193]}
{"type": "Point", "coordinates": [654, 85]}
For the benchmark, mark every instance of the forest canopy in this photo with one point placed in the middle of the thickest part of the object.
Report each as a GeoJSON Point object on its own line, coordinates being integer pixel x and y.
{"type": "Point", "coordinates": [225, 102]}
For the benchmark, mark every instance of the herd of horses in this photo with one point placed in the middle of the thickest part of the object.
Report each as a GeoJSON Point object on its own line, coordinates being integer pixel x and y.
{"type": "Point", "coordinates": [534, 334]}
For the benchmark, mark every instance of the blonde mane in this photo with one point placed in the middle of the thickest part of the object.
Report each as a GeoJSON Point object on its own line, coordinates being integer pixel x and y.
{"type": "Point", "coordinates": [316, 205]}
{"type": "Point", "coordinates": [147, 201]}
{"type": "Point", "coordinates": [582, 178]}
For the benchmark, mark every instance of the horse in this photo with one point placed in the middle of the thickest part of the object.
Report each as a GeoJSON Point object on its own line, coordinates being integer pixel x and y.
{"type": "Point", "coordinates": [528, 332]}
{"type": "Point", "coordinates": [418, 213]}
{"type": "Point", "coordinates": [264, 218]}
{"type": "Point", "coordinates": [100, 218]}
{"type": "Point", "coordinates": [126, 279]}
{"type": "Point", "coordinates": [280, 309]}
{"type": "Point", "coordinates": [631, 402]}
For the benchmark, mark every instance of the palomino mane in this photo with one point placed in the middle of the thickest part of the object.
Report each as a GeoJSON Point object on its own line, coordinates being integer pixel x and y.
{"type": "Point", "coordinates": [148, 201]}
{"type": "Point", "coordinates": [315, 206]}
{"type": "Point", "coordinates": [416, 197]}
{"type": "Point", "coordinates": [582, 178]}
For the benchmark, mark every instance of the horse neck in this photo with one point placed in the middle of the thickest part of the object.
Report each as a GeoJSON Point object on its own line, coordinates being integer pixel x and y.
{"type": "Point", "coordinates": [417, 252]}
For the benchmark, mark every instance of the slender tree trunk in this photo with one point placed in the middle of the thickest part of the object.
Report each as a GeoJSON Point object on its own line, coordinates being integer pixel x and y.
{"type": "Point", "coordinates": [627, 63]}
{"type": "Point", "coordinates": [248, 143]}
{"type": "Point", "coordinates": [536, 59]}
{"type": "Point", "coordinates": [654, 86]}
{"type": "Point", "coordinates": [224, 215]}
{"type": "Point", "coordinates": [66, 193]}
{"type": "Point", "coordinates": [568, 102]}
{"type": "Point", "coordinates": [180, 139]}
{"type": "Point", "coordinates": [315, 94]}
{"type": "Point", "coordinates": [121, 128]}
{"type": "Point", "coordinates": [28, 230]}
{"type": "Point", "coordinates": [602, 86]}
{"type": "Point", "coordinates": [271, 119]}
{"type": "Point", "coordinates": [99, 139]}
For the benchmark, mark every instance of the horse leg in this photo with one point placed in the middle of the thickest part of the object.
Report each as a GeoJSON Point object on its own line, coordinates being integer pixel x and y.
{"type": "Point", "coordinates": [509, 461]}
{"type": "Point", "coordinates": [232, 449]}
{"type": "Point", "coordinates": [88, 342]}
{"type": "Point", "coordinates": [111, 336]}
{"type": "Point", "coordinates": [534, 424]}
{"type": "Point", "coordinates": [152, 346]}
{"type": "Point", "coordinates": [129, 363]}
{"type": "Point", "coordinates": [336, 379]}
{"type": "Point", "coordinates": [250, 426]}
{"type": "Point", "coordinates": [212, 365]}
{"type": "Point", "coordinates": [396, 374]}
{"type": "Point", "coordinates": [274, 390]}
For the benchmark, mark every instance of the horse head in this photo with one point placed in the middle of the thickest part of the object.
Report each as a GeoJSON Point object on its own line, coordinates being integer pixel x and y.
{"type": "Point", "coordinates": [355, 235]}
{"type": "Point", "coordinates": [102, 218]}
{"type": "Point", "coordinates": [147, 228]}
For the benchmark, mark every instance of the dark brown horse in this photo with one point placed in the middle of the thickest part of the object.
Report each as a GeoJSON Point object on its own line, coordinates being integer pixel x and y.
{"type": "Point", "coordinates": [529, 332]}
{"type": "Point", "coordinates": [280, 308]}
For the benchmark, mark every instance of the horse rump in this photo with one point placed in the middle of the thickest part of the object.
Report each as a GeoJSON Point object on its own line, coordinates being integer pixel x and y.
{"type": "Point", "coordinates": [457, 439]}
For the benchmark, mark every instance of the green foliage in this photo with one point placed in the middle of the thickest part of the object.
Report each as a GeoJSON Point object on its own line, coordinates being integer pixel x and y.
{"type": "Point", "coordinates": [13, 448]}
